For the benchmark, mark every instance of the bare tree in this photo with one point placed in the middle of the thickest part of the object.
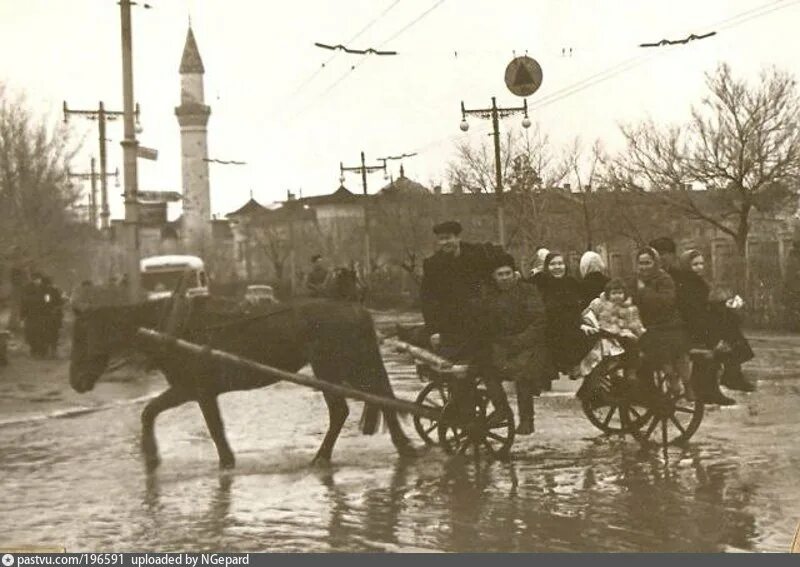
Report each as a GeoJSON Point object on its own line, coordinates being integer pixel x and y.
{"type": "Point", "coordinates": [741, 146]}
{"type": "Point", "coordinates": [405, 221]}
{"type": "Point", "coordinates": [39, 221]}
{"type": "Point", "coordinates": [530, 169]}
{"type": "Point", "coordinates": [584, 169]}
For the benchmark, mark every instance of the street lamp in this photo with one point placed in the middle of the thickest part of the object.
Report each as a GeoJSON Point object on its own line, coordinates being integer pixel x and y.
{"type": "Point", "coordinates": [495, 113]}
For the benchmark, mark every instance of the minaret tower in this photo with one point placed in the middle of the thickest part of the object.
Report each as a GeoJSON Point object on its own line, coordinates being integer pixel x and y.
{"type": "Point", "coordinates": [193, 116]}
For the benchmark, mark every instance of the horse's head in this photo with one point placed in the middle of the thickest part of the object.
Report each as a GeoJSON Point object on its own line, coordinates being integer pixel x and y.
{"type": "Point", "coordinates": [102, 335]}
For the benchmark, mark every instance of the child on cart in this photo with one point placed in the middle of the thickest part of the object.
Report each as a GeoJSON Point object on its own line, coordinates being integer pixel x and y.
{"type": "Point", "coordinates": [615, 321]}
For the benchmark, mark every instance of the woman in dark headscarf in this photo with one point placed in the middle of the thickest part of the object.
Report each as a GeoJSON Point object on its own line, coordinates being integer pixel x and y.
{"type": "Point", "coordinates": [514, 321]}
{"type": "Point", "coordinates": [593, 277]}
{"type": "Point", "coordinates": [563, 300]}
{"type": "Point", "coordinates": [712, 324]}
{"type": "Point", "coordinates": [665, 344]}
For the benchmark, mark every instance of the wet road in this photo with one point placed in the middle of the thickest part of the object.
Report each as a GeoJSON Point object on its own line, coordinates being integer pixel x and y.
{"type": "Point", "coordinates": [79, 481]}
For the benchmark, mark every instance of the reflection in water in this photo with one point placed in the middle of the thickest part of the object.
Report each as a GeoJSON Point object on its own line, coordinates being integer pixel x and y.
{"type": "Point", "coordinates": [566, 488]}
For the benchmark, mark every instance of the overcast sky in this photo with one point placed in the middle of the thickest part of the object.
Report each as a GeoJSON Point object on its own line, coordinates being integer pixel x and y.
{"type": "Point", "coordinates": [275, 106]}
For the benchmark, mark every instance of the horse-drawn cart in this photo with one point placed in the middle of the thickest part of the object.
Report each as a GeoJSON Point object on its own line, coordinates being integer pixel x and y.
{"type": "Point", "coordinates": [455, 411]}
{"type": "Point", "coordinates": [648, 410]}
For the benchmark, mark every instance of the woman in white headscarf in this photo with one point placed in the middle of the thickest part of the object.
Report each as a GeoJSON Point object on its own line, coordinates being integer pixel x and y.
{"type": "Point", "coordinates": [593, 277]}
{"type": "Point", "coordinates": [537, 270]}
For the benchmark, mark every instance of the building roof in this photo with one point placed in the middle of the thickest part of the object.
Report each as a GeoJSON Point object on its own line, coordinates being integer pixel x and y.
{"type": "Point", "coordinates": [251, 207]}
{"type": "Point", "coordinates": [341, 196]}
{"type": "Point", "coordinates": [191, 61]}
{"type": "Point", "coordinates": [404, 186]}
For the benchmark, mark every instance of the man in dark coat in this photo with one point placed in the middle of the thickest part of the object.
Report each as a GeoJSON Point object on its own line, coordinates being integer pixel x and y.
{"type": "Point", "coordinates": [34, 313]}
{"type": "Point", "coordinates": [318, 277]}
{"type": "Point", "coordinates": [451, 284]}
{"type": "Point", "coordinates": [513, 322]}
{"type": "Point", "coordinates": [54, 313]}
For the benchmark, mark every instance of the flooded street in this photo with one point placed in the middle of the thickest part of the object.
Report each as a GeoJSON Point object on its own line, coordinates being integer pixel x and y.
{"type": "Point", "coordinates": [79, 481]}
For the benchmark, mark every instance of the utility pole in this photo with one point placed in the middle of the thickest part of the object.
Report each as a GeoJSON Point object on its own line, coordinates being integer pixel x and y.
{"type": "Point", "coordinates": [290, 209]}
{"type": "Point", "coordinates": [495, 113]}
{"type": "Point", "coordinates": [101, 115]}
{"type": "Point", "coordinates": [129, 151]}
{"type": "Point", "coordinates": [364, 169]}
{"type": "Point", "coordinates": [92, 176]}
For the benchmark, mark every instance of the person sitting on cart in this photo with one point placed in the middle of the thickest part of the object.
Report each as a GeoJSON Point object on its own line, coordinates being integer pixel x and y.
{"type": "Point", "coordinates": [514, 321]}
{"type": "Point", "coordinates": [451, 287]}
{"type": "Point", "coordinates": [665, 344]}
{"type": "Point", "coordinates": [614, 321]}
{"type": "Point", "coordinates": [712, 324]}
{"type": "Point", "coordinates": [725, 320]}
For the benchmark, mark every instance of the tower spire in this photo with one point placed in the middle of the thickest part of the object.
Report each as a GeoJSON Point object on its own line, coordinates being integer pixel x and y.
{"type": "Point", "coordinates": [191, 62]}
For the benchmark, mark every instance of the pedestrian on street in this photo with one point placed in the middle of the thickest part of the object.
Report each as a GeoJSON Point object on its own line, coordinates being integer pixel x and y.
{"type": "Point", "coordinates": [54, 309]}
{"type": "Point", "coordinates": [319, 276]}
{"type": "Point", "coordinates": [34, 313]}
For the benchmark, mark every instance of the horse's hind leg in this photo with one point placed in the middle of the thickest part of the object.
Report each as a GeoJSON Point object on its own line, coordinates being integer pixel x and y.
{"type": "Point", "coordinates": [337, 412]}
{"type": "Point", "coordinates": [399, 438]}
{"type": "Point", "coordinates": [166, 400]}
{"type": "Point", "coordinates": [210, 408]}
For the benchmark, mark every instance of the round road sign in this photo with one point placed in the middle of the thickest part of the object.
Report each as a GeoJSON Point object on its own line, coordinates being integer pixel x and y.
{"type": "Point", "coordinates": [523, 76]}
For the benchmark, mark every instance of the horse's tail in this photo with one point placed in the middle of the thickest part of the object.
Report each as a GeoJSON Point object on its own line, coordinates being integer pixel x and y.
{"type": "Point", "coordinates": [370, 419]}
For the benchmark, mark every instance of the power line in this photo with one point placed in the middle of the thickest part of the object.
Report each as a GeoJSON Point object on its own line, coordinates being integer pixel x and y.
{"type": "Point", "coordinates": [372, 22]}
{"type": "Point", "coordinates": [402, 30]}
{"type": "Point", "coordinates": [630, 63]}
{"type": "Point", "coordinates": [729, 23]}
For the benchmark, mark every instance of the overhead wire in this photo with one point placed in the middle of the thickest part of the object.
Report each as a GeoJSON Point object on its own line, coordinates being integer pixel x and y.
{"type": "Point", "coordinates": [344, 76]}
{"type": "Point", "coordinates": [618, 68]}
{"type": "Point", "coordinates": [358, 34]}
{"type": "Point", "coordinates": [728, 23]}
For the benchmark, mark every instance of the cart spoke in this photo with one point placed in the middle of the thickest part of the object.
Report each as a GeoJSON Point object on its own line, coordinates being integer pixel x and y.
{"type": "Point", "coordinates": [496, 437]}
{"type": "Point", "coordinates": [678, 424]}
{"type": "Point", "coordinates": [651, 428]}
{"type": "Point", "coordinates": [684, 409]}
{"type": "Point", "coordinates": [433, 426]}
{"type": "Point", "coordinates": [664, 435]}
{"type": "Point", "coordinates": [610, 414]}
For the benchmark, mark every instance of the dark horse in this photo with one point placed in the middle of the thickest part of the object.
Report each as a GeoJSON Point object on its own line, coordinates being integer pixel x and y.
{"type": "Point", "coordinates": [337, 338]}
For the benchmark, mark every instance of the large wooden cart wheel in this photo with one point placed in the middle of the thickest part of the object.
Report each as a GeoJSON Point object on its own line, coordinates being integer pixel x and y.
{"type": "Point", "coordinates": [670, 419]}
{"type": "Point", "coordinates": [606, 401]}
{"type": "Point", "coordinates": [433, 394]}
{"type": "Point", "coordinates": [473, 425]}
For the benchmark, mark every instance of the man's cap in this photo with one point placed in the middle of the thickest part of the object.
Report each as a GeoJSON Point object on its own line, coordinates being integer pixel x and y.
{"type": "Point", "coordinates": [664, 245]}
{"type": "Point", "coordinates": [447, 227]}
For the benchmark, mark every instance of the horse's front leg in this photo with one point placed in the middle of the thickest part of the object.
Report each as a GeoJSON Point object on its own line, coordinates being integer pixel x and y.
{"type": "Point", "coordinates": [337, 415]}
{"type": "Point", "coordinates": [216, 428]}
{"type": "Point", "coordinates": [168, 399]}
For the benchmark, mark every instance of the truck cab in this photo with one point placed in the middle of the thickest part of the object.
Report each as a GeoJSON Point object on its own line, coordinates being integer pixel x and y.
{"type": "Point", "coordinates": [161, 275]}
